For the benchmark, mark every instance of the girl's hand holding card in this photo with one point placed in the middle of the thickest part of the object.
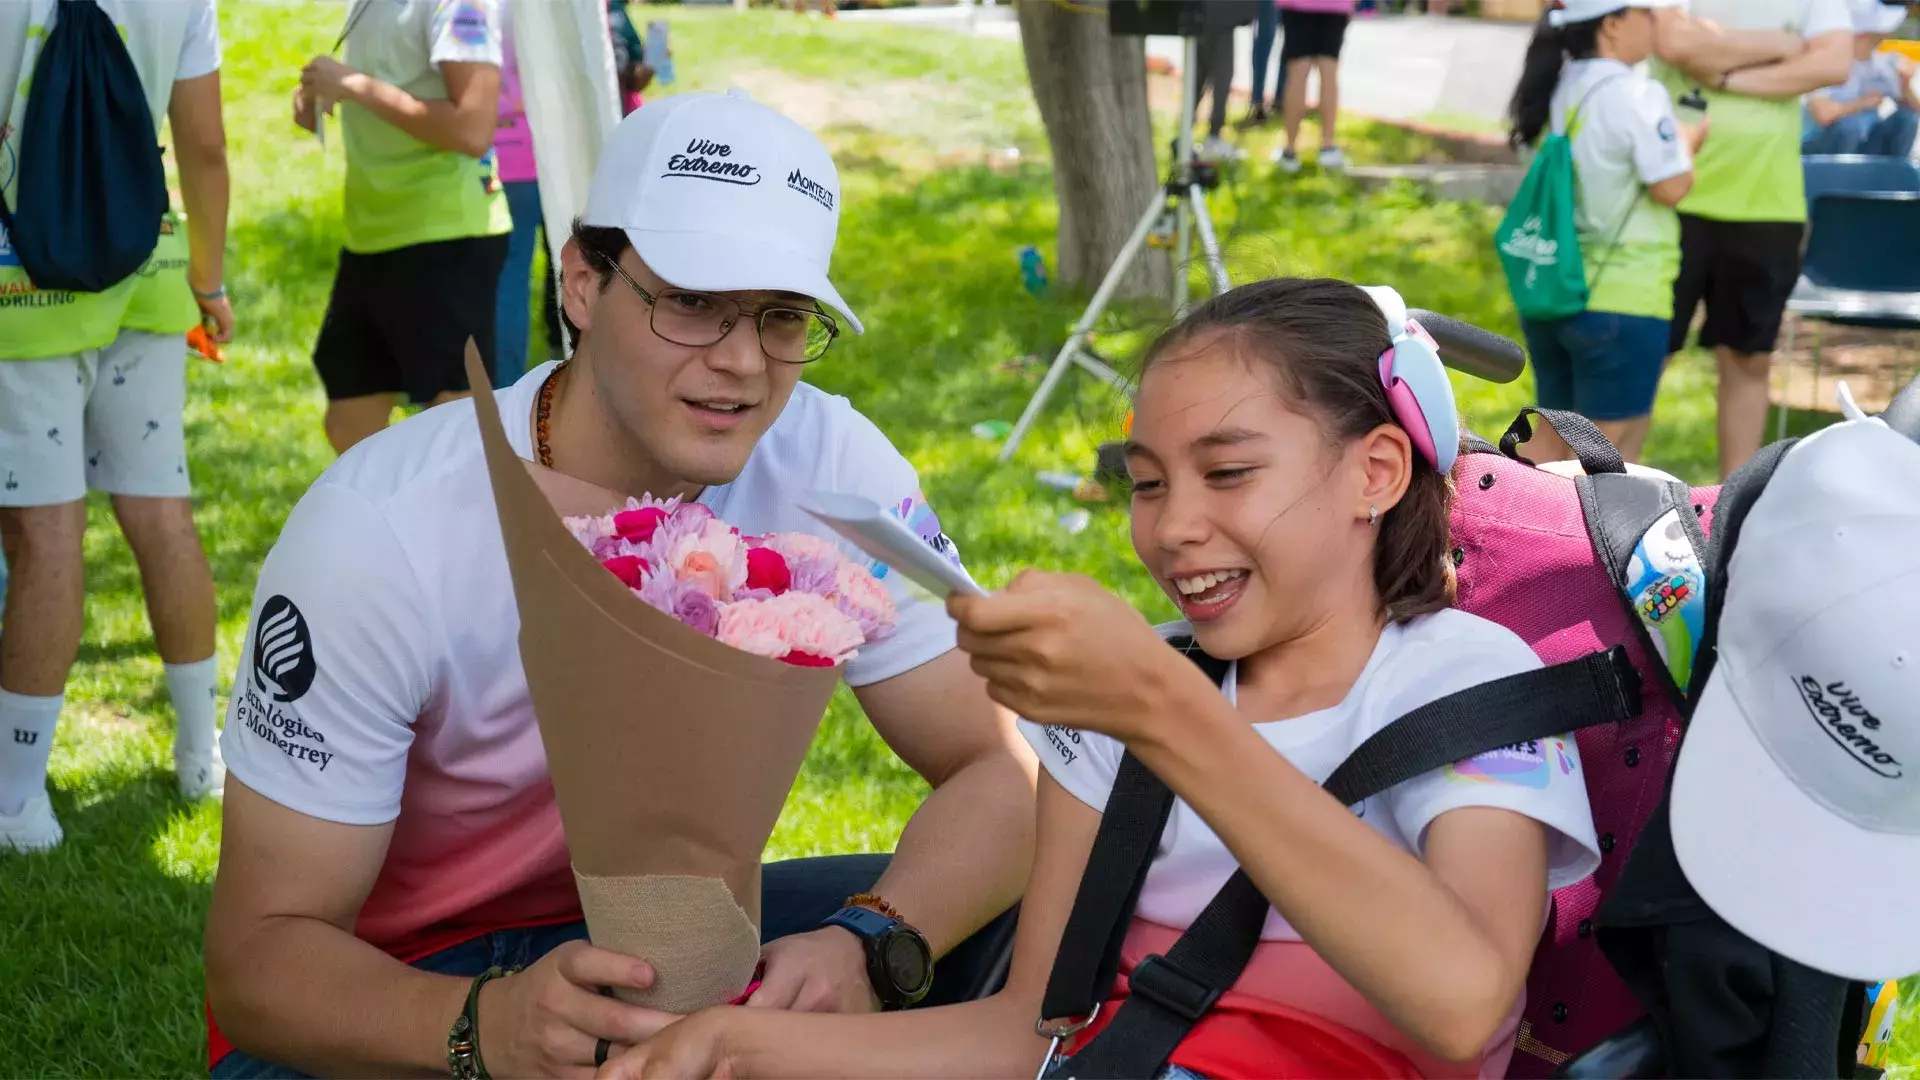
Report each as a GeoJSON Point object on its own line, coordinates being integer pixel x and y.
{"type": "Point", "coordinates": [1061, 649]}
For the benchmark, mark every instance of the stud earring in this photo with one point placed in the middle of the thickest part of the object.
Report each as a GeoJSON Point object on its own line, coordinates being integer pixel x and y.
{"type": "Point", "coordinates": [1373, 516]}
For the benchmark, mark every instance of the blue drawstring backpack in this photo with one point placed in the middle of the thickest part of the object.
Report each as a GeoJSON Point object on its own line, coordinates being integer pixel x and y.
{"type": "Point", "coordinates": [91, 188]}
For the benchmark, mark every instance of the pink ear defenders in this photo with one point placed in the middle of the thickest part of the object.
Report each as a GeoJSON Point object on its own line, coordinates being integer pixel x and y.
{"type": "Point", "coordinates": [1417, 388]}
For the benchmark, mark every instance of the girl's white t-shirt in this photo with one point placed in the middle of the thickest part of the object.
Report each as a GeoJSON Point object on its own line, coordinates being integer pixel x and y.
{"type": "Point", "coordinates": [1414, 663]}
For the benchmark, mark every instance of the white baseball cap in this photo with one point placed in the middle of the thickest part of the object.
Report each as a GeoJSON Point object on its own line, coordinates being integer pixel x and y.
{"type": "Point", "coordinates": [1799, 778]}
{"type": "Point", "coordinates": [720, 193]}
{"type": "Point", "coordinates": [1563, 12]}
{"type": "Point", "coordinates": [1874, 17]}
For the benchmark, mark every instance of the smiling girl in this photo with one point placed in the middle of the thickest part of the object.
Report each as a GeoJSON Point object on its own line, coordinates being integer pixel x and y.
{"type": "Point", "coordinates": [1300, 522]}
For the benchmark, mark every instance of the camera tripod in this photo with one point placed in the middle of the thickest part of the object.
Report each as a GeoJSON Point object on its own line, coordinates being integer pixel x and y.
{"type": "Point", "coordinates": [1183, 196]}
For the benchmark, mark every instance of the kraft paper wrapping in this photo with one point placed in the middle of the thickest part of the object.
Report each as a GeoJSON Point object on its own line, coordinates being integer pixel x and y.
{"type": "Point", "coordinates": [671, 753]}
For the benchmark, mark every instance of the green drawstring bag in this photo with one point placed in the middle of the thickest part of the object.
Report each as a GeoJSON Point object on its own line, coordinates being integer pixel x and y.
{"type": "Point", "coordinates": [1539, 238]}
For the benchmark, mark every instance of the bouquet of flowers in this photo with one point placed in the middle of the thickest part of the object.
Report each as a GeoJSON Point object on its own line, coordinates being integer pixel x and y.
{"type": "Point", "coordinates": [785, 596]}
{"type": "Point", "coordinates": [678, 671]}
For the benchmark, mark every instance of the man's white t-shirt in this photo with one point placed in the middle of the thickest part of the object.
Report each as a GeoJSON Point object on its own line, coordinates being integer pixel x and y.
{"type": "Point", "coordinates": [1413, 664]}
{"type": "Point", "coordinates": [380, 680]}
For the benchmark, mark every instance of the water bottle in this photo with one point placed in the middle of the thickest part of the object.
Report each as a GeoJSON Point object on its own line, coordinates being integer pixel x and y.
{"type": "Point", "coordinates": [1033, 270]}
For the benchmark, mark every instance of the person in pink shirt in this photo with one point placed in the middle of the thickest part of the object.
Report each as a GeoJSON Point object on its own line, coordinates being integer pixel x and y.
{"type": "Point", "coordinates": [1312, 31]}
{"type": "Point", "coordinates": [513, 162]}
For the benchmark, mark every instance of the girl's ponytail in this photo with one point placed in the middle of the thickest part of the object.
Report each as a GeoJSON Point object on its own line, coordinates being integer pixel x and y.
{"type": "Point", "coordinates": [1531, 109]}
{"type": "Point", "coordinates": [1532, 105]}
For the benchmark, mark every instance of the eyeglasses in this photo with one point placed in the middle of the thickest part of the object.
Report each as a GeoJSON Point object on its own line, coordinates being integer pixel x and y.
{"type": "Point", "coordinates": [697, 320]}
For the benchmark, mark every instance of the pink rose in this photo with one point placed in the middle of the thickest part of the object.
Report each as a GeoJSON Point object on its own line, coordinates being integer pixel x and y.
{"type": "Point", "coordinates": [705, 553]}
{"type": "Point", "coordinates": [630, 569]}
{"type": "Point", "coordinates": [683, 600]}
{"type": "Point", "coordinates": [801, 659]}
{"type": "Point", "coordinates": [639, 525]}
{"type": "Point", "coordinates": [767, 570]}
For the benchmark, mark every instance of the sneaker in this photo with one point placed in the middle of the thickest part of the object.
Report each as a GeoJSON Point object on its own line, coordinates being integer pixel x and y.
{"type": "Point", "coordinates": [1332, 158]}
{"type": "Point", "coordinates": [203, 777]}
{"type": "Point", "coordinates": [1215, 149]}
{"type": "Point", "coordinates": [1288, 161]}
{"type": "Point", "coordinates": [34, 828]}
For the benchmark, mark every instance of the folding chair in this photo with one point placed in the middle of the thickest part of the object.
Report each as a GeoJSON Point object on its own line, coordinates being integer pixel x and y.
{"type": "Point", "coordinates": [1861, 267]}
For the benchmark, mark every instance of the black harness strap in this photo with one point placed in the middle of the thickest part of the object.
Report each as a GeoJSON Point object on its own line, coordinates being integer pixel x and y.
{"type": "Point", "coordinates": [1168, 995]}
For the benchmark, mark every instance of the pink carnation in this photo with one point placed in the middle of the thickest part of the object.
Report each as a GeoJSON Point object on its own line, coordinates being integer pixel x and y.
{"type": "Point", "coordinates": [803, 547]}
{"type": "Point", "coordinates": [861, 597]}
{"type": "Point", "coordinates": [754, 626]}
{"type": "Point", "coordinates": [816, 627]}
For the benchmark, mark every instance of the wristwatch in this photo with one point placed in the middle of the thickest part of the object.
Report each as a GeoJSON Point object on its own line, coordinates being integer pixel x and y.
{"type": "Point", "coordinates": [899, 962]}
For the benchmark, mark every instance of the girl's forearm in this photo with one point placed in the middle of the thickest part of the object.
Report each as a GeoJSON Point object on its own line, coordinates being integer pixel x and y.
{"type": "Point", "coordinates": [1376, 914]}
{"type": "Point", "coordinates": [989, 1038]}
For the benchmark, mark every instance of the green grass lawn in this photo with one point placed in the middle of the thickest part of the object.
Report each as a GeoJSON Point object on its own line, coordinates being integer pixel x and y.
{"type": "Point", "coordinates": [102, 973]}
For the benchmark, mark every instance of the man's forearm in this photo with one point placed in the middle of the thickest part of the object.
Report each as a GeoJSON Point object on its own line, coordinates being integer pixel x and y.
{"type": "Point", "coordinates": [964, 857]}
{"type": "Point", "coordinates": [1706, 51]}
{"type": "Point", "coordinates": [1827, 64]}
{"type": "Point", "coordinates": [306, 994]}
{"type": "Point", "coordinates": [203, 188]}
{"type": "Point", "coordinates": [439, 124]}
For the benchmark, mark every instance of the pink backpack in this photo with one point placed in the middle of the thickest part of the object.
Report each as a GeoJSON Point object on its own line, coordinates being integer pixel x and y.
{"type": "Point", "coordinates": [1548, 556]}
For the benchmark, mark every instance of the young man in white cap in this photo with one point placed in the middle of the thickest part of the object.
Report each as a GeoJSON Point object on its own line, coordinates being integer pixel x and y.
{"type": "Point", "coordinates": [1800, 772]}
{"type": "Point", "coordinates": [390, 827]}
{"type": "Point", "coordinates": [1744, 223]}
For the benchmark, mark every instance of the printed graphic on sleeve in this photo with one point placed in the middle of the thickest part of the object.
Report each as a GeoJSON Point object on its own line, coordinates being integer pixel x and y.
{"type": "Point", "coordinates": [468, 21]}
{"type": "Point", "coordinates": [1669, 593]}
{"type": "Point", "coordinates": [283, 663]}
{"type": "Point", "coordinates": [283, 671]}
{"type": "Point", "coordinates": [1522, 765]}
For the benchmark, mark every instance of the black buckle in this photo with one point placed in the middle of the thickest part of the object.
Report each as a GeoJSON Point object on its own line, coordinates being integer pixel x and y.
{"type": "Point", "coordinates": [1626, 679]}
{"type": "Point", "coordinates": [1158, 980]}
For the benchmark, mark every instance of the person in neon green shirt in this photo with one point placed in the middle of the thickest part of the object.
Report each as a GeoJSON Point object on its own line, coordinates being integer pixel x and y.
{"type": "Point", "coordinates": [426, 218]}
{"type": "Point", "coordinates": [1742, 230]}
{"type": "Point", "coordinates": [92, 387]}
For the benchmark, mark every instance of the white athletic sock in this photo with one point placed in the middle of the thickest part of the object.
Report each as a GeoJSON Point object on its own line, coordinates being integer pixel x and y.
{"type": "Point", "coordinates": [192, 687]}
{"type": "Point", "coordinates": [26, 741]}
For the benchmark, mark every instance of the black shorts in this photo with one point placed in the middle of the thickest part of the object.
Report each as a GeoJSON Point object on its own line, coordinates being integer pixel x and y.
{"type": "Point", "coordinates": [1311, 33]}
{"type": "Point", "coordinates": [1744, 271]}
{"type": "Point", "coordinates": [398, 321]}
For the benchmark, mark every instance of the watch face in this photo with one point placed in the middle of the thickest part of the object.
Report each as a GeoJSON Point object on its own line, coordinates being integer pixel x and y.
{"type": "Point", "coordinates": [906, 962]}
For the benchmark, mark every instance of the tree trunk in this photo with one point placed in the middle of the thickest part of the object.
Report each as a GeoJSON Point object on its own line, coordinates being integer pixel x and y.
{"type": "Point", "coordinates": [1092, 91]}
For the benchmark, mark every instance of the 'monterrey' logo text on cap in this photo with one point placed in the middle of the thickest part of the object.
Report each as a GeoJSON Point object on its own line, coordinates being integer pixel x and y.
{"type": "Point", "coordinates": [815, 191]}
{"type": "Point", "coordinates": [705, 159]}
{"type": "Point", "coordinates": [1847, 721]}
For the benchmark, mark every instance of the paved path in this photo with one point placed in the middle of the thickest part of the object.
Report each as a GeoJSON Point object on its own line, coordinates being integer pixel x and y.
{"type": "Point", "coordinates": [1446, 70]}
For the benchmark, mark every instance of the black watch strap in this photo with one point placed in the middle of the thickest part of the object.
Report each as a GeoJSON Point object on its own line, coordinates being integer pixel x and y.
{"type": "Point", "coordinates": [463, 1042]}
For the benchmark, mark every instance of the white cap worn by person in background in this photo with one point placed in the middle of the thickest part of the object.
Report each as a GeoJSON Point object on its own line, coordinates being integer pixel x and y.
{"type": "Point", "coordinates": [1797, 793]}
{"type": "Point", "coordinates": [720, 193]}
{"type": "Point", "coordinates": [1576, 11]}
{"type": "Point", "coordinates": [1874, 17]}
